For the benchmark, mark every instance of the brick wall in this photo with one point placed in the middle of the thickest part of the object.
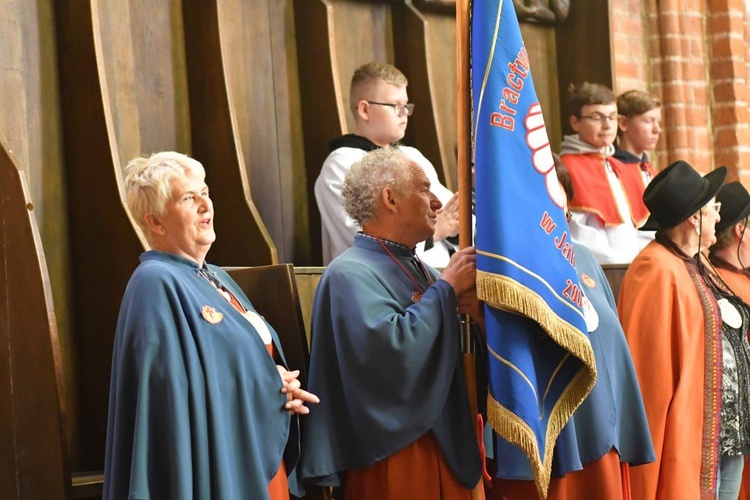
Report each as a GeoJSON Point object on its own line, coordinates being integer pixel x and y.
{"type": "Point", "coordinates": [694, 55]}
{"type": "Point", "coordinates": [629, 49]}
{"type": "Point", "coordinates": [729, 85]}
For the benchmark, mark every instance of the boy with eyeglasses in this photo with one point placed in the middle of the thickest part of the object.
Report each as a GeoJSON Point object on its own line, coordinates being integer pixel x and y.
{"type": "Point", "coordinates": [381, 110]}
{"type": "Point", "coordinates": [608, 207]}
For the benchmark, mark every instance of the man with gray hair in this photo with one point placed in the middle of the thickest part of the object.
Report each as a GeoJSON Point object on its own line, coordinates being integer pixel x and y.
{"type": "Point", "coordinates": [394, 416]}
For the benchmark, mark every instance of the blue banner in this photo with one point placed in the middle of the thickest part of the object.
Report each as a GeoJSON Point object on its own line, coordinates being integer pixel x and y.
{"type": "Point", "coordinates": [541, 365]}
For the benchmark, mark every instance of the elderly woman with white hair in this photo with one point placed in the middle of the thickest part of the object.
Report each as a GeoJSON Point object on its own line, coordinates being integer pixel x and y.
{"type": "Point", "coordinates": [201, 402]}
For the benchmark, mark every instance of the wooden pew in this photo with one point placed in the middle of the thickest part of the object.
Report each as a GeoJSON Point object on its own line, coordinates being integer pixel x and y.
{"type": "Point", "coordinates": [273, 292]}
{"type": "Point", "coordinates": [307, 279]}
{"type": "Point", "coordinates": [614, 274]}
{"type": "Point", "coordinates": [34, 459]}
{"type": "Point", "coordinates": [34, 454]}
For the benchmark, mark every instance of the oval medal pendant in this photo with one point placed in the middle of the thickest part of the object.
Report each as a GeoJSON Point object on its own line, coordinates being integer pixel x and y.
{"type": "Point", "coordinates": [259, 324]}
{"type": "Point", "coordinates": [211, 315]}
{"type": "Point", "coordinates": [415, 297]}
{"type": "Point", "coordinates": [729, 314]}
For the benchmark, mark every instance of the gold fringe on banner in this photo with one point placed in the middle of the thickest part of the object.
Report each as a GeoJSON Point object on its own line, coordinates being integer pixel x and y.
{"type": "Point", "coordinates": [503, 293]}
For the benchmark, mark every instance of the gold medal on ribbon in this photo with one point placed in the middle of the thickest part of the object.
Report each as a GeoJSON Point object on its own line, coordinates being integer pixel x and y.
{"type": "Point", "coordinates": [211, 315]}
{"type": "Point", "coordinates": [415, 297]}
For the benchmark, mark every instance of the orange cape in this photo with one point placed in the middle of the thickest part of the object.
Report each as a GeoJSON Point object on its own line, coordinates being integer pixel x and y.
{"type": "Point", "coordinates": [593, 192]}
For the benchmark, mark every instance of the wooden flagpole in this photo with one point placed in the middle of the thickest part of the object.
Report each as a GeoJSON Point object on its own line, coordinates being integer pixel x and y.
{"type": "Point", "coordinates": [465, 229]}
{"type": "Point", "coordinates": [464, 122]}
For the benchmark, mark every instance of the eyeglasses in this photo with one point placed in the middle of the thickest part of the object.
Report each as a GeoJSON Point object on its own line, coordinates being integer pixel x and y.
{"type": "Point", "coordinates": [598, 117]}
{"type": "Point", "coordinates": [716, 206]}
{"type": "Point", "coordinates": [398, 108]}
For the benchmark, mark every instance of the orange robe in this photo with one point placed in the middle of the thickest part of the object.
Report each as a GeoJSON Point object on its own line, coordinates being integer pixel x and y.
{"type": "Point", "coordinates": [415, 472]}
{"type": "Point", "coordinates": [278, 488]}
{"type": "Point", "coordinates": [662, 314]}
{"type": "Point", "coordinates": [599, 479]}
{"type": "Point", "coordinates": [737, 280]}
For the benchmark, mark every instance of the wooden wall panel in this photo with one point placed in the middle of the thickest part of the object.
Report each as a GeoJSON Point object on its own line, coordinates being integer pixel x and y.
{"type": "Point", "coordinates": [104, 244]}
{"type": "Point", "coordinates": [441, 53]}
{"type": "Point", "coordinates": [323, 111]}
{"type": "Point", "coordinates": [293, 178]}
{"type": "Point", "coordinates": [425, 50]}
{"type": "Point", "coordinates": [141, 57]}
{"type": "Point", "coordinates": [307, 279]}
{"type": "Point", "coordinates": [242, 238]}
{"type": "Point", "coordinates": [254, 51]}
{"type": "Point", "coordinates": [33, 455]}
{"type": "Point", "coordinates": [540, 44]}
{"type": "Point", "coordinates": [30, 128]}
{"type": "Point", "coordinates": [362, 32]}
{"type": "Point", "coordinates": [583, 50]}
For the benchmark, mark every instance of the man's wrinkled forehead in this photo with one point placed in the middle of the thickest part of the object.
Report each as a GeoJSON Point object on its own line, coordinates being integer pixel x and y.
{"type": "Point", "coordinates": [418, 177]}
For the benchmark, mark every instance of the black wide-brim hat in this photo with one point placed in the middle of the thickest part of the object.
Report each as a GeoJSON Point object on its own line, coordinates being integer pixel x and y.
{"type": "Point", "coordinates": [677, 192]}
{"type": "Point", "coordinates": [735, 204]}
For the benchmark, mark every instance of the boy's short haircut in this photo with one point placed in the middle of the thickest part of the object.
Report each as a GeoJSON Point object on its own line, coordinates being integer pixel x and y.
{"type": "Point", "coordinates": [370, 73]}
{"type": "Point", "coordinates": [636, 102]}
{"type": "Point", "coordinates": [586, 94]}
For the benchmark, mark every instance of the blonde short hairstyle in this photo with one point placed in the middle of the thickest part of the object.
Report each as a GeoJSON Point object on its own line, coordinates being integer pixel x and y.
{"type": "Point", "coordinates": [369, 74]}
{"type": "Point", "coordinates": [148, 182]}
{"type": "Point", "coordinates": [636, 102]}
{"type": "Point", "coordinates": [366, 180]}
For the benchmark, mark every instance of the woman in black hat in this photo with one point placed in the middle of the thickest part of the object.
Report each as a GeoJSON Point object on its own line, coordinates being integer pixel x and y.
{"type": "Point", "coordinates": [730, 255]}
{"type": "Point", "coordinates": [673, 325]}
